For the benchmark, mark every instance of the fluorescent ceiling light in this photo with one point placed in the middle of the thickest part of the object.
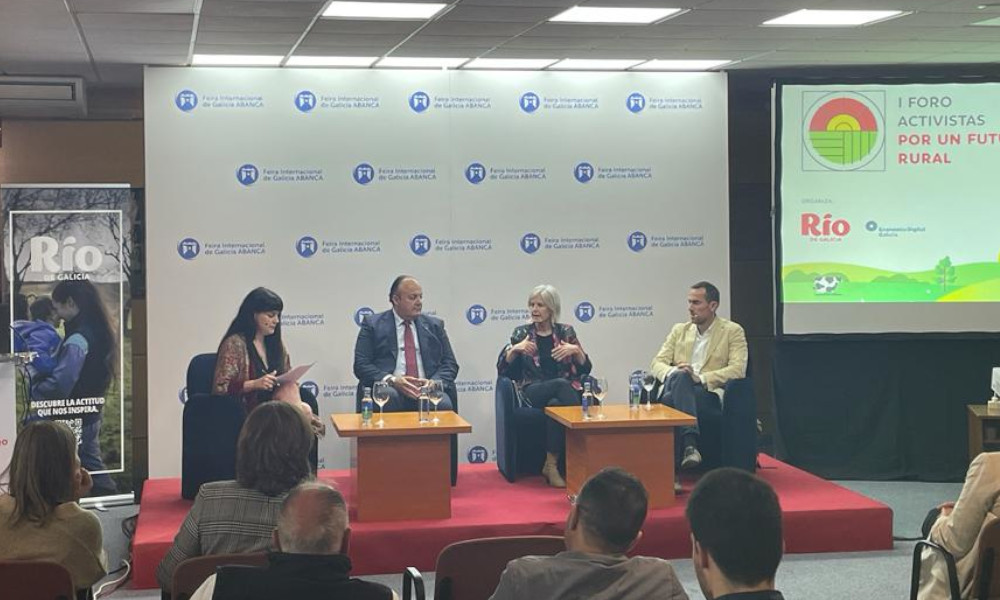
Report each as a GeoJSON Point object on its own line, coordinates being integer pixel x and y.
{"type": "Point", "coordinates": [414, 62]}
{"type": "Point", "coordinates": [382, 10]}
{"type": "Point", "coordinates": [994, 22]}
{"type": "Point", "coordinates": [681, 65]}
{"type": "Point", "coordinates": [331, 61]}
{"type": "Point", "coordinates": [833, 18]}
{"type": "Point", "coordinates": [510, 63]}
{"type": "Point", "coordinates": [236, 60]}
{"type": "Point", "coordinates": [595, 64]}
{"type": "Point", "coordinates": [608, 14]}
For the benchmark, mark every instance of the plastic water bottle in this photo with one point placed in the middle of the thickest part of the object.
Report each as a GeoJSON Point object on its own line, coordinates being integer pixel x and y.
{"type": "Point", "coordinates": [587, 400]}
{"type": "Point", "coordinates": [634, 394]}
{"type": "Point", "coordinates": [366, 408]}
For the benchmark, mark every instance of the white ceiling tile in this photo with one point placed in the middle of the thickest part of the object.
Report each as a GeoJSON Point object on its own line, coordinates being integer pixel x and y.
{"type": "Point", "coordinates": [261, 9]}
{"type": "Point", "coordinates": [501, 14]}
{"type": "Point", "coordinates": [141, 21]}
{"type": "Point", "coordinates": [247, 24]}
{"type": "Point", "coordinates": [247, 37]}
{"type": "Point", "coordinates": [366, 27]}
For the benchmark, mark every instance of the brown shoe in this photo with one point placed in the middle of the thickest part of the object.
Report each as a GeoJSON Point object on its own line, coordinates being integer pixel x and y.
{"type": "Point", "coordinates": [551, 471]}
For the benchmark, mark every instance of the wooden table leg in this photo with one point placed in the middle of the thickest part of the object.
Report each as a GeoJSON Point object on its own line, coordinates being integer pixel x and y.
{"type": "Point", "coordinates": [400, 478]}
{"type": "Point", "coordinates": [647, 453]}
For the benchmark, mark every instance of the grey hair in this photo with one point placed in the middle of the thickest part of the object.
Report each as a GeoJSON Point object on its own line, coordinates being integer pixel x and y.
{"type": "Point", "coordinates": [316, 529]}
{"type": "Point", "coordinates": [549, 296]}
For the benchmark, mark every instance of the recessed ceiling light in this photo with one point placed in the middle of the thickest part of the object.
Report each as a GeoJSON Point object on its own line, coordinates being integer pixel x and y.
{"type": "Point", "coordinates": [608, 14]}
{"type": "Point", "coordinates": [994, 22]}
{"type": "Point", "coordinates": [594, 64]}
{"type": "Point", "coordinates": [331, 61]}
{"type": "Point", "coordinates": [680, 65]}
{"type": "Point", "coordinates": [833, 18]}
{"type": "Point", "coordinates": [510, 63]}
{"type": "Point", "coordinates": [235, 60]}
{"type": "Point", "coordinates": [419, 62]}
{"type": "Point", "coordinates": [382, 10]}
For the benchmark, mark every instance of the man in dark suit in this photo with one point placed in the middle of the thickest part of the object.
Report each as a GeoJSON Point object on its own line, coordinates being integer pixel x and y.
{"type": "Point", "coordinates": [405, 349]}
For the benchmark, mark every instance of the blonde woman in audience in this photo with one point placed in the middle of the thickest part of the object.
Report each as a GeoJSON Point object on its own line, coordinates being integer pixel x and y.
{"type": "Point", "coordinates": [39, 515]}
{"type": "Point", "coordinates": [272, 457]}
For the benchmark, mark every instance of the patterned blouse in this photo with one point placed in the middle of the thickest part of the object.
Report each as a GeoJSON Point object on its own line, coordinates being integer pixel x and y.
{"type": "Point", "coordinates": [234, 365]}
{"type": "Point", "coordinates": [528, 369]}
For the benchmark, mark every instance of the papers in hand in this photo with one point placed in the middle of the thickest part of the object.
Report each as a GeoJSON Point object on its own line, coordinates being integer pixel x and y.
{"type": "Point", "coordinates": [292, 375]}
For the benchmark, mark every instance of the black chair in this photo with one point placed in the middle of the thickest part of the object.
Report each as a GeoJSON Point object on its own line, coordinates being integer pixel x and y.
{"type": "Point", "coordinates": [452, 392]}
{"type": "Point", "coordinates": [211, 427]}
{"type": "Point", "coordinates": [949, 562]}
{"type": "Point", "coordinates": [520, 433]}
{"type": "Point", "coordinates": [728, 437]}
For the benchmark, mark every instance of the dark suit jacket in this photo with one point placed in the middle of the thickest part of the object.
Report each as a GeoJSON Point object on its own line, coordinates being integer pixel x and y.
{"type": "Point", "coordinates": [376, 349]}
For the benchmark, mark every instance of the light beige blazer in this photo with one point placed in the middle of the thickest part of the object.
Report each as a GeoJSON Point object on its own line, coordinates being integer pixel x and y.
{"type": "Point", "coordinates": [726, 358]}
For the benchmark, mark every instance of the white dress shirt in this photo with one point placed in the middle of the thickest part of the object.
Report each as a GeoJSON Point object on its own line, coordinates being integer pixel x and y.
{"type": "Point", "coordinates": [401, 354]}
{"type": "Point", "coordinates": [700, 350]}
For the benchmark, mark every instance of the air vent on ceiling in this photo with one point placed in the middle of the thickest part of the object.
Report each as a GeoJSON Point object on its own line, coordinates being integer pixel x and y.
{"type": "Point", "coordinates": [34, 97]}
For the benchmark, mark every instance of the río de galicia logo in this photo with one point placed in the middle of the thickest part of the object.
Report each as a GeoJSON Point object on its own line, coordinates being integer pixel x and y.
{"type": "Point", "coordinates": [186, 100]}
{"type": "Point", "coordinates": [420, 101]}
{"type": "Point", "coordinates": [311, 387]}
{"type": "Point", "coordinates": [583, 172]}
{"type": "Point", "coordinates": [420, 244]}
{"type": "Point", "coordinates": [305, 101]}
{"type": "Point", "coordinates": [531, 243]}
{"type": "Point", "coordinates": [247, 174]}
{"type": "Point", "coordinates": [306, 246]}
{"type": "Point", "coordinates": [476, 314]}
{"type": "Point", "coordinates": [584, 311]}
{"type": "Point", "coordinates": [478, 455]}
{"type": "Point", "coordinates": [189, 248]}
{"type": "Point", "coordinates": [844, 131]}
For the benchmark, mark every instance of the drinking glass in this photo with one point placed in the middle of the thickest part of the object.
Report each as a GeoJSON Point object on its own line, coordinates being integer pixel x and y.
{"type": "Point", "coordinates": [380, 393]}
{"type": "Point", "coordinates": [434, 395]}
{"type": "Point", "coordinates": [648, 381]}
{"type": "Point", "coordinates": [599, 386]}
{"type": "Point", "coordinates": [423, 403]}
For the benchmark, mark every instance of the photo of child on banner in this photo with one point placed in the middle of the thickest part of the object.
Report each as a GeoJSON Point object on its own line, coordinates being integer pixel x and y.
{"type": "Point", "coordinates": [68, 269]}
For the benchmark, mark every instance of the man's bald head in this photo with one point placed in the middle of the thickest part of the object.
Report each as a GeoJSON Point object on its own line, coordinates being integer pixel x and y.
{"type": "Point", "coordinates": [313, 520]}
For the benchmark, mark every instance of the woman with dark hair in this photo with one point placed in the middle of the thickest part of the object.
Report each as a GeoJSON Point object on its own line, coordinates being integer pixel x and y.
{"type": "Point", "coordinates": [252, 356]}
{"type": "Point", "coordinates": [85, 363]}
{"type": "Point", "coordinates": [546, 362]}
{"type": "Point", "coordinates": [272, 457]}
{"type": "Point", "coordinates": [39, 516]}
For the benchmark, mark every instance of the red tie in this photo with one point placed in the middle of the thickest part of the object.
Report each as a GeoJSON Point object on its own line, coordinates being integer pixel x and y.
{"type": "Point", "coordinates": [410, 351]}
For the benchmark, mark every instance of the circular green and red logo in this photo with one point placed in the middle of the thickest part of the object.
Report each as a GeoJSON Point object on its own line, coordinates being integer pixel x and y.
{"type": "Point", "coordinates": [844, 131]}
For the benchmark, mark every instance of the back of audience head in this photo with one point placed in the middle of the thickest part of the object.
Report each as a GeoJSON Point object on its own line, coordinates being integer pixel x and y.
{"type": "Point", "coordinates": [44, 471]}
{"type": "Point", "coordinates": [272, 454]}
{"type": "Point", "coordinates": [736, 538]}
{"type": "Point", "coordinates": [313, 520]}
{"type": "Point", "coordinates": [609, 512]}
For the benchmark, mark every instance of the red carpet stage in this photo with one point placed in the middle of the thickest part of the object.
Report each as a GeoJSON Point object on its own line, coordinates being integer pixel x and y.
{"type": "Point", "coordinates": [819, 516]}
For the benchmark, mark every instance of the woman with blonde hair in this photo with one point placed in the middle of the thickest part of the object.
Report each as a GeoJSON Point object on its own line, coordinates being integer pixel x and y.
{"type": "Point", "coordinates": [39, 515]}
{"type": "Point", "coordinates": [546, 362]}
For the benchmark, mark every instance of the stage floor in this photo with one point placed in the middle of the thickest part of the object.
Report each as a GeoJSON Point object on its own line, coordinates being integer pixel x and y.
{"type": "Point", "coordinates": [819, 516]}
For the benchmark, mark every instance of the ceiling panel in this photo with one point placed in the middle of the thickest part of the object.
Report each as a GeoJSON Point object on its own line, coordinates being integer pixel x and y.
{"type": "Point", "coordinates": [145, 22]}
{"type": "Point", "coordinates": [501, 14]}
{"type": "Point", "coordinates": [260, 9]}
{"type": "Point", "coordinates": [133, 6]}
{"type": "Point", "coordinates": [247, 24]}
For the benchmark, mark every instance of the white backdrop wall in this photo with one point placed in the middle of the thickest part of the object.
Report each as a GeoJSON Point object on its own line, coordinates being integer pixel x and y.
{"type": "Point", "coordinates": [259, 177]}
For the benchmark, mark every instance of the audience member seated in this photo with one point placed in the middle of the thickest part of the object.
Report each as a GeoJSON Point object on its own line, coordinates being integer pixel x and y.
{"type": "Point", "coordinates": [956, 527]}
{"type": "Point", "coordinates": [604, 523]}
{"type": "Point", "coordinates": [39, 515]}
{"type": "Point", "coordinates": [272, 457]}
{"type": "Point", "coordinates": [545, 361]}
{"type": "Point", "coordinates": [310, 561]}
{"type": "Point", "coordinates": [736, 542]}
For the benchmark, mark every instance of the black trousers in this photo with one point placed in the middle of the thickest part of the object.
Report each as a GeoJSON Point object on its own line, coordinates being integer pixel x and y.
{"type": "Point", "coordinates": [682, 393]}
{"type": "Point", "coordinates": [554, 392]}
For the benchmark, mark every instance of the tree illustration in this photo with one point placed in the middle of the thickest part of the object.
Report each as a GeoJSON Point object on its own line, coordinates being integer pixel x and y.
{"type": "Point", "coordinates": [944, 272]}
